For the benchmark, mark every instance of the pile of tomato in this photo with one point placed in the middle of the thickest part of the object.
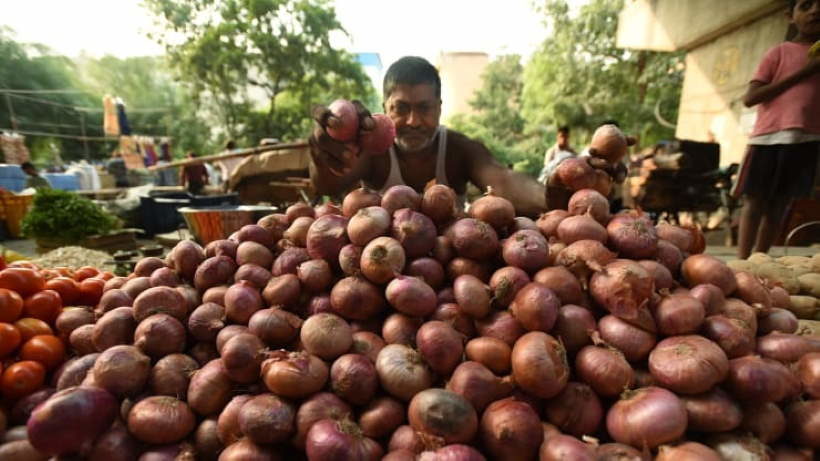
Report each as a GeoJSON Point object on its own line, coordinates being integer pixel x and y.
{"type": "Point", "coordinates": [30, 301]}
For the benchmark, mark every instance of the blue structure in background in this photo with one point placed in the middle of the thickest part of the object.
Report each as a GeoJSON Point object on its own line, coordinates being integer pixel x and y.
{"type": "Point", "coordinates": [372, 64]}
{"type": "Point", "coordinates": [12, 177]}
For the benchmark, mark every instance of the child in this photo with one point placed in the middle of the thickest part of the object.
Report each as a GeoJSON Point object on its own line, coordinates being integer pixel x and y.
{"type": "Point", "coordinates": [782, 156]}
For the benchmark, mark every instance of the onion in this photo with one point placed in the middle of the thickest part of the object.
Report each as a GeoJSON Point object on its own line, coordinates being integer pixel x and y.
{"type": "Point", "coordinates": [688, 364]}
{"type": "Point", "coordinates": [315, 275]}
{"type": "Point", "coordinates": [573, 326]}
{"type": "Point", "coordinates": [649, 417]}
{"type": "Point", "coordinates": [242, 356]}
{"type": "Point", "coordinates": [451, 314]}
{"type": "Point", "coordinates": [114, 298]}
{"type": "Point", "coordinates": [446, 295]}
{"type": "Point", "coordinates": [732, 335]}
{"type": "Point", "coordinates": [401, 329]}
{"type": "Point", "coordinates": [444, 414]}
{"type": "Point", "coordinates": [710, 296]}
{"type": "Point", "coordinates": [679, 315]}
{"type": "Point", "coordinates": [381, 417]}
{"type": "Point", "coordinates": [443, 250]}
{"type": "Point", "coordinates": [266, 418]}
{"type": "Point", "coordinates": [619, 452]}
{"type": "Point", "coordinates": [275, 327]}
{"type": "Point", "coordinates": [400, 196]}
{"type": "Point", "coordinates": [255, 253]}
{"type": "Point", "coordinates": [576, 173]}
{"type": "Point", "coordinates": [71, 374]}
{"type": "Point", "coordinates": [354, 298]}
{"type": "Point", "coordinates": [160, 335]}
{"type": "Point", "coordinates": [21, 450]}
{"type": "Point", "coordinates": [320, 406]}
{"type": "Point", "coordinates": [802, 420]}
{"type": "Point", "coordinates": [576, 410]}
{"type": "Point", "coordinates": [623, 287]}
{"type": "Point", "coordinates": [349, 259]}
{"type": "Point", "coordinates": [511, 430]}
{"type": "Point", "coordinates": [294, 374]}
{"type": "Point", "coordinates": [427, 269]}
{"type": "Point", "coordinates": [332, 440]}
{"type": "Point", "coordinates": [777, 319]}
{"type": "Point", "coordinates": [751, 290]}
{"type": "Point", "coordinates": [670, 256]}
{"type": "Point", "coordinates": [605, 369]}
{"type": "Point", "coordinates": [535, 307]}
{"type": "Point", "coordinates": [494, 210]}
{"type": "Point", "coordinates": [209, 389]}
{"type": "Point", "coordinates": [115, 444]}
{"type": "Point", "coordinates": [283, 290]}
{"type": "Point", "coordinates": [367, 224]}
{"type": "Point", "coordinates": [698, 240]}
{"type": "Point", "coordinates": [760, 380]}
{"type": "Point", "coordinates": [246, 450]}
{"type": "Point", "coordinates": [70, 420]}
{"type": "Point", "coordinates": [474, 239]}
{"type": "Point", "coordinates": [454, 452]}
{"type": "Point", "coordinates": [227, 333]}
{"type": "Point", "coordinates": [780, 297]}
{"type": "Point", "coordinates": [299, 209]}
{"type": "Point", "coordinates": [500, 325]}
{"type": "Point", "coordinates": [789, 453]}
{"type": "Point", "coordinates": [808, 370]}
{"type": "Point", "coordinates": [548, 222]}
{"type": "Point", "coordinates": [464, 266]}
{"type": "Point", "coordinates": [359, 198]}
{"type": "Point", "coordinates": [402, 372]}
{"type": "Point", "coordinates": [353, 378]}
{"type": "Point", "coordinates": [382, 259]}
{"type": "Point", "coordinates": [506, 282]}
{"type": "Point", "coordinates": [584, 255]}
{"type": "Point", "coordinates": [678, 236]}
{"type": "Point", "coordinates": [634, 342]}
{"type": "Point", "coordinates": [326, 335]}
{"type": "Point", "coordinates": [411, 296]}
{"type": "Point", "coordinates": [701, 268]}
{"type": "Point", "coordinates": [478, 385]}
{"type": "Point", "coordinates": [523, 223]}
{"type": "Point", "coordinates": [472, 296]}
{"type": "Point", "coordinates": [633, 237]}
{"type": "Point", "coordinates": [406, 438]}
{"type": "Point", "coordinates": [440, 345]}
{"type": "Point", "coordinates": [584, 227]}
{"type": "Point", "coordinates": [561, 281]}
{"type": "Point", "coordinates": [327, 208]}
{"type": "Point", "coordinates": [491, 352]}
{"type": "Point", "coordinates": [203, 352]}
{"type": "Point", "coordinates": [326, 237]}
{"type": "Point", "coordinates": [72, 318]}
{"type": "Point", "coordinates": [732, 446]}
{"type": "Point", "coordinates": [215, 295]}
{"type": "Point", "coordinates": [172, 374]}
{"type": "Point", "coordinates": [764, 420]}
{"type": "Point", "coordinates": [539, 364]}
{"type": "Point", "coordinates": [786, 347]}
{"type": "Point", "coordinates": [526, 249]}
{"type": "Point", "coordinates": [737, 309]}
{"type": "Point", "coordinates": [258, 276]}
{"type": "Point", "coordinates": [439, 203]}
{"type": "Point", "coordinates": [415, 231]}
{"type": "Point", "coordinates": [254, 233]}
{"type": "Point", "coordinates": [289, 260]}
{"type": "Point", "coordinates": [687, 451]}
{"type": "Point", "coordinates": [660, 273]}
{"type": "Point", "coordinates": [559, 447]}
{"type": "Point", "coordinates": [160, 420]}
{"type": "Point", "coordinates": [367, 344]}
{"type": "Point", "coordinates": [225, 247]}
{"type": "Point", "coordinates": [122, 370]}
{"type": "Point", "coordinates": [113, 328]}
{"type": "Point", "coordinates": [714, 411]}
{"type": "Point", "coordinates": [296, 233]}
{"type": "Point", "coordinates": [589, 201]}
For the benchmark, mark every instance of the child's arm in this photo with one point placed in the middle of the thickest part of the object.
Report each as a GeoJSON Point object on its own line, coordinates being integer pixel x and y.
{"type": "Point", "coordinates": [761, 92]}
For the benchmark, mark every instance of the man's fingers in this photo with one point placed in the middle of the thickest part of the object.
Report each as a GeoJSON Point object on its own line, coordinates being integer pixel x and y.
{"type": "Point", "coordinates": [320, 114]}
{"type": "Point", "coordinates": [631, 140]}
{"type": "Point", "coordinates": [597, 162]}
{"type": "Point", "coordinates": [365, 120]}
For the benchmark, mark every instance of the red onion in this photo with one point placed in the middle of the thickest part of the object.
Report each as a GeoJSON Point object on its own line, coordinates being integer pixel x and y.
{"type": "Point", "coordinates": [327, 208]}
{"type": "Point", "coordinates": [633, 237]}
{"type": "Point", "coordinates": [561, 281]}
{"type": "Point", "coordinates": [315, 275]}
{"type": "Point", "coordinates": [701, 268]}
{"type": "Point", "coordinates": [526, 249]}
{"type": "Point", "coordinates": [500, 325]}
{"type": "Point", "coordinates": [122, 370]}
{"type": "Point", "coordinates": [524, 223]}
{"type": "Point", "coordinates": [751, 290]}
{"type": "Point", "coordinates": [714, 411]}
{"type": "Point", "coordinates": [255, 233]}
{"type": "Point", "coordinates": [401, 329]}
{"type": "Point", "coordinates": [737, 309]}
{"type": "Point", "coordinates": [21, 411]}
{"type": "Point", "coordinates": [444, 414]}
{"type": "Point", "coordinates": [548, 222]}
{"type": "Point", "coordinates": [411, 296]}
{"type": "Point", "coordinates": [209, 389]}
{"type": "Point", "coordinates": [443, 250]}
{"type": "Point", "coordinates": [478, 385]}
{"type": "Point", "coordinates": [454, 452]}
{"type": "Point", "coordinates": [275, 327]}
{"type": "Point", "coordinates": [446, 295]}
{"type": "Point", "coordinates": [760, 380]}
{"type": "Point", "coordinates": [688, 364]}
{"type": "Point", "coordinates": [228, 422]}
{"type": "Point", "coordinates": [623, 287]}
{"type": "Point", "coordinates": [400, 196]}
{"type": "Point", "coordinates": [634, 342]}
{"type": "Point", "coordinates": [203, 352]}
{"type": "Point", "coordinates": [323, 405]}
{"type": "Point", "coordinates": [491, 352]}
{"type": "Point", "coordinates": [802, 420]}
{"type": "Point", "coordinates": [584, 227]}
{"type": "Point", "coordinates": [382, 259]}
{"type": "Point", "coordinates": [353, 378]}
{"type": "Point", "coordinates": [296, 233]}
{"type": "Point", "coordinates": [441, 346]}
{"type": "Point", "coordinates": [679, 315]}
{"type": "Point", "coordinates": [474, 239]}
{"type": "Point", "coordinates": [358, 199]}
{"type": "Point", "coordinates": [539, 364]}
{"type": "Point", "coordinates": [326, 335]}
{"type": "Point", "coordinates": [242, 357]}
{"type": "Point", "coordinates": [115, 444]}
{"type": "Point", "coordinates": [663, 278]}
{"type": "Point", "coordinates": [294, 374]}
{"type": "Point", "coordinates": [349, 259]}
{"type": "Point", "coordinates": [605, 369]}
{"type": "Point", "coordinates": [589, 201]}
{"type": "Point", "coordinates": [71, 374]}
{"type": "Point", "coordinates": [506, 282]}
{"type": "Point", "coordinates": [326, 237]}
{"type": "Point", "coordinates": [576, 173]}
{"type": "Point", "coordinates": [675, 235]}
{"type": "Point", "coordinates": [402, 372]}
{"type": "Point", "coordinates": [160, 300]}
{"type": "Point", "coordinates": [619, 452]}
{"type": "Point", "coordinates": [227, 333]}
{"type": "Point", "coordinates": [160, 420]}
{"type": "Point", "coordinates": [464, 266]}
{"type": "Point", "coordinates": [367, 224]}
{"type": "Point", "coordinates": [246, 450]}
{"type": "Point", "coordinates": [559, 447]}
{"type": "Point", "coordinates": [734, 446]}
{"type": "Point", "coordinates": [224, 247]}
{"type": "Point", "coordinates": [786, 347]}
{"type": "Point", "coordinates": [266, 418]}
{"type": "Point", "coordinates": [258, 276]}
{"type": "Point", "coordinates": [576, 410]}
{"type": "Point", "coordinates": [535, 307]}
{"type": "Point", "coordinates": [299, 209]}
{"type": "Point", "coordinates": [114, 298]}
{"type": "Point", "coordinates": [494, 210]}
{"type": "Point", "coordinates": [215, 271]}
{"type": "Point", "coordinates": [732, 335]}
{"type": "Point", "coordinates": [573, 326]}
{"type": "Point", "coordinates": [649, 417]}
{"type": "Point", "coordinates": [332, 440]}
{"type": "Point", "coordinates": [381, 417]}
{"type": "Point", "coordinates": [584, 255]}
{"type": "Point", "coordinates": [777, 319]}
{"type": "Point", "coordinates": [172, 374]}
{"type": "Point", "coordinates": [764, 420]}
{"type": "Point", "coordinates": [711, 296]}
{"type": "Point", "coordinates": [472, 296]}
{"type": "Point", "coordinates": [511, 430]}
{"type": "Point", "coordinates": [427, 269]}
{"type": "Point", "coordinates": [789, 453]}
{"type": "Point", "coordinates": [70, 420]}
{"type": "Point", "coordinates": [255, 253]}
{"type": "Point", "coordinates": [439, 203]}
{"type": "Point", "coordinates": [215, 295]}
{"type": "Point", "coordinates": [687, 451]}
{"type": "Point", "coordinates": [289, 260]}
{"type": "Point", "coordinates": [160, 335]}
{"type": "Point", "coordinates": [670, 256]}
{"type": "Point", "coordinates": [415, 231]}
{"type": "Point", "coordinates": [808, 370]}
{"type": "Point", "coordinates": [367, 344]}
{"type": "Point", "coordinates": [355, 298]}
{"type": "Point", "coordinates": [780, 297]}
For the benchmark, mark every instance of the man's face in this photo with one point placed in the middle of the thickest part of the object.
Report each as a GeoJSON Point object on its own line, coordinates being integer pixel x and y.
{"type": "Point", "coordinates": [806, 17]}
{"type": "Point", "coordinates": [415, 110]}
{"type": "Point", "coordinates": [563, 139]}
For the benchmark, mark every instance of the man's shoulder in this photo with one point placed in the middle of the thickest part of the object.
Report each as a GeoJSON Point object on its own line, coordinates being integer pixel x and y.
{"type": "Point", "coordinates": [461, 143]}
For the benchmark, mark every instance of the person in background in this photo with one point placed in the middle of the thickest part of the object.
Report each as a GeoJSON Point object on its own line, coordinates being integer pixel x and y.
{"type": "Point", "coordinates": [193, 177]}
{"type": "Point", "coordinates": [561, 148]}
{"type": "Point", "coordinates": [227, 166]}
{"type": "Point", "coordinates": [116, 168]}
{"type": "Point", "coordinates": [168, 176]}
{"type": "Point", "coordinates": [34, 179]}
{"type": "Point", "coordinates": [781, 159]}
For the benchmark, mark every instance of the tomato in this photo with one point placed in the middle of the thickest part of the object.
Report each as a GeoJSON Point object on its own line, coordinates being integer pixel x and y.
{"type": "Point", "coordinates": [85, 272]}
{"type": "Point", "coordinates": [10, 338]}
{"type": "Point", "coordinates": [45, 305]}
{"type": "Point", "coordinates": [66, 287]}
{"type": "Point", "coordinates": [65, 272]}
{"type": "Point", "coordinates": [22, 378]}
{"type": "Point", "coordinates": [91, 290]}
{"type": "Point", "coordinates": [23, 281]}
{"type": "Point", "coordinates": [46, 349]}
{"type": "Point", "coordinates": [25, 265]}
{"type": "Point", "coordinates": [11, 305]}
{"type": "Point", "coordinates": [49, 274]}
{"type": "Point", "coordinates": [106, 275]}
{"type": "Point", "coordinates": [30, 328]}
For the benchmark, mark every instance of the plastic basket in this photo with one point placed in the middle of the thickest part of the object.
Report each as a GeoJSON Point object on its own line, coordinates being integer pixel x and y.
{"type": "Point", "coordinates": [209, 224]}
{"type": "Point", "coordinates": [14, 209]}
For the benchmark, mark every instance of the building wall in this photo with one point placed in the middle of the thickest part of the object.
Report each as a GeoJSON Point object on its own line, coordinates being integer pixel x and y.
{"type": "Point", "coordinates": [460, 77]}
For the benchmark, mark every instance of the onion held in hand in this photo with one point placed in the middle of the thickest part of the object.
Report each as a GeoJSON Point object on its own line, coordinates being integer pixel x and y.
{"type": "Point", "coordinates": [576, 173]}
{"type": "Point", "coordinates": [343, 122]}
{"type": "Point", "coordinates": [380, 138]}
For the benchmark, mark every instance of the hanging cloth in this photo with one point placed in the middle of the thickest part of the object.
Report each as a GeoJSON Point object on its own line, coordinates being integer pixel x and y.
{"type": "Point", "coordinates": [111, 125]}
{"type": "Point", "coordinates": [150, 152]}
{"type": "Point", "coordinates": [125, 128]}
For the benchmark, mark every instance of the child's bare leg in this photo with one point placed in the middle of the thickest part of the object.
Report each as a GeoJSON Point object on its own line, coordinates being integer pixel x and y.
{"type": "Point", "coordinates": [750, 217]}
{"type": "Point", "coordinates": [773, 222]}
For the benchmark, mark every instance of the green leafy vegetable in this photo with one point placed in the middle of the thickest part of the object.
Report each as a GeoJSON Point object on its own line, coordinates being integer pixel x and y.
{"type": "Point", "coordinates": [66, 215]}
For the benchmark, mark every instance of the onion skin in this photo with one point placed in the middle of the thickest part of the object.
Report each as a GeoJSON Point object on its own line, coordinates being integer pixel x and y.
{"type": "Point", "coordinates": [122, 370]}
{"type": "Point", "coordinates": [450, 313]}
{"type": "Point", "coordinates": [700, 268]}
{"type": "Point", "coordinates": [242, 356]}
{"type": "Point", "coordinates": [427, 269]}
{"type": "Point", "coordinates": [494, 210]}
{"type": "Point", "coordinates": [506, 282]}
{"type": "Point", "coordinates": [561, 281]}
{"type": "Point", "coordinates": [275, 327]}
{"type": "Point", "coordinates": [732, 335]}
{"type": "Point", "coordinates": [737, 309]}
{"type": "Point", "coordinates": [548, 222]}
{"type": "Point", "coordinates": [444, 414]}
{"type": "Point", "coordinates": [266, 419]}
{"type": "Point", "coordinates": [757, 379]}
{"type": "Point", "coordinates": [493, 353]}
{"type": "Point", "coordinates": [623, 287]}
{"type": "Point", "coordinates": [160, 420]}
{"type": "Point", "coordinates": [589, 201]}
{"type": "Point", "coordinates": [535, 307]}
{"type": "Point", "coordinates": [294, 375]}
{"type": "Point", "coordinates": [714, 411]}
{"type": "Point", "coordinates": [464, 266]}
{"type": "Point", "coordinates": [764, 420]}
{"type": "Point", "coordinates": [353, 377]}
{"type": "Point", "coordinates": [411, 296]}
{"type": "Point", "coordinates": [472, 296]}
{"type": "Point", "coordinates": [73, 373]}
{"type": "Point", "coordinates": [803, 423]}
{"type": "Point", "coordinates": [633, 237]}
{"type": "Point", "coordinates": [474, 239]}
{"type": "Point", "coordinates": [679, 315]}
{"type": "Point", "coordinates": [282, 291]}
{"type": "Point", "coordinates": [401, 329]}
{"type": "Point", "coordinates": [206, 321]}
{"type": "Point", "coordinates": [171, 375]}
{"type": "Point", "coordinates": [382, 259]}
{"type": "Point", "coordinates": [400, 196]}
{"type": "Point", "coordinates": [331, 440]}
{"type": "Point", "coordinates": [605, 369]}
{"type": "Point", "coordinates": [501, 325]}
{"type": "Point", "coordinates": [711, 296]}
{"type": "Point", "coordinates": [808, 370]}
{"type": "Point", "coordinates": [576, 173]}
{"type": "Point", "coordinates": [160, 335]}
{"type": "Point", "coordinates": [678, 236]}
{"type": "Point", "coordinates": [478, 385]}
{"type": "Point", "coordinates": [584, 227]}
{"type": "Point", "coordinates": [539, 364]}
{"type": "Point", "coordinates": [687, 451]}
{"type": "Point", "coordinates": [299, 209]}
{"type": "Point", "coordinates": [315, 275]}
{"type": "Point", "coordinates": [526, 249]}
{"type": "Point", "coordinates": [441, 346]}
{"type": "Point", "coordinates": [227, 333]}
{"type": "Point", "coordinates": [573, 326]}
{"type": "Point", "coordinates": [354, 298]}
{"type": "Point", "coordinates": [402, 372]}
{"type": "Point", "coordinates": [381, 417]}
{"type": "Point", "coordinates": [576, 410]}
{"type": "Point", "coordinates": [415, 231]}
{"type": "Point", "coordinates": [323, 405]}
{"type": "Point", "coordinates": [350, 259]}
{"type": "Point", "coordinates": [661, 274]}
{"type": "Point", "coordinates": [634, 342]}
{"type": "Point", "coordinates": [560, 447]}
{"type": "Point", "coordinates": [289, 260]}
{"type": "Point", "coordinates": [688, 364]}
{"type": "Point", "coordinates": [70, 420]}
{"type": "Point", "coordinates": [367, 344]}
{"type": "Point", "coordinates": [326, 237]}
{"type": "Point", "coordinates": [210, 388]}
{"type": "Point", "coordinates": [511, 430]}
{"type": "Point", "coordinates": [751, 290]}
{"type": "Point", "coordinates": [358, 199]}
{"type": "Point", "coordinates": [439, 203]}
{"type": "Point", "coordinates": [246, 450]}
{"type": "Point", "coordinates": [648, 416]}
{"type": "Point", "coordinates": [786, 347]}
{"type": "Point", "coordinates": [619, 452]}
{"type": "Point", "coordinates": [326, 336]}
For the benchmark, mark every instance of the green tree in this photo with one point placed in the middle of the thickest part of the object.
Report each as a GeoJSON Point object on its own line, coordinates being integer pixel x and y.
{"type": "Point", "coordinates": [231, 50]}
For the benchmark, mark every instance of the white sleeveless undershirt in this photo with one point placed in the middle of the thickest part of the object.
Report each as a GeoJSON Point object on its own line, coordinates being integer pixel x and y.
{"type": "Point", "coordinates": [394, 178]}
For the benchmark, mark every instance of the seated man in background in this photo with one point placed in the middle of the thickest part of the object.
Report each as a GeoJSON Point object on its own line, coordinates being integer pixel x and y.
{"type": "Point", "coordinates": [34, 179]}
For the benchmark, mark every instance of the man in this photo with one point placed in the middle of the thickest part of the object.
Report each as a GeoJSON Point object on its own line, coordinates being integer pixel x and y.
{"type": "Point", "coordinates": [116, 168]}
{"type": "Point", "coordinates": [34, 179]}
{"type": "Point", "coordinates": [561, 148]}
{"type": "Point", "coordinates": [227, 166]}
{"type": "Point", "coordinates": [193, 177]}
